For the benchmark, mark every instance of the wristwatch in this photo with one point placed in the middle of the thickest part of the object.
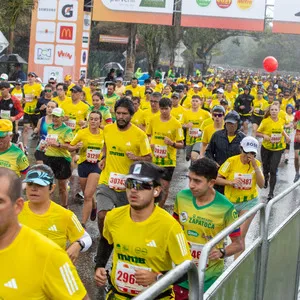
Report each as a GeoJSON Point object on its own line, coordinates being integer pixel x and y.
{"type": "Point", "coordinates": [222, 250]}
{"type": "Point", "coordinates": [82, 244]}
{"type": "Point", "coordinates": [159, 276]}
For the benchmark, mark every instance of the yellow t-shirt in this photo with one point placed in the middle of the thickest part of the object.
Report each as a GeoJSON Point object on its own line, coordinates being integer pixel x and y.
{"type": "Point", "coordinates": [159, 87]}
{"type": "Point", "coordinates": [230, 97]}
{"type": "Point", "coordinates": [194, 134]}
{"type": "Point", "coordinates": [120, 90]}
{"type": "Point", "coordinates": [35, 268]}
{"type": "Point", "coordinates": [58, 224]}
{"type": "Point", "coordinates": [233, 168]}
{"type": "Point", "coordinates": [207, 98]}
{"type": "Point", "coordinates": [136, 118]}
{"type": "Point", "coordinates": [75, 112]}
{"type": "Point", "coordinates": [152, 245]}
{"type": "Point", "coordinates": [164, 155]}
{"type": "Point", "coordinates": [59, 101]}
{"type": "Point", "coordinates": [88, 95]}
{"type": "Point", "coordinates": [285, 102]}
{"type": "Point", "coordinates": [32, 93]}
{"type": "Point", "coordinates": [178, 113]}
{"type": "Point", "coordinates": [92, 145]}
{"type": "Point", "coordinates": [259, 106]}
{"type": "Point", "coordinates": [147, 116]}
{"type": "Point", "coordinates": [136, 92]}
{"type": "Point", "coordinates": [18, 93]}
{"type": "Point", "coordinates": [117, 163]}
{"type": "Point", "coordinates": [274, 130]}
{"type": "Point", "coordinates": [145, 105]}
{"type": "Point", "coordinates": [208, 132]}
{"type": "Point", "coordinates": [205, 123]}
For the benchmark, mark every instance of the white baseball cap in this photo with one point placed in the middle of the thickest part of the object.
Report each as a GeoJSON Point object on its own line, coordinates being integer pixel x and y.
{"type": "Point", "coordinates": [220, 90]}
{"type": "Point", "coordinates": [4, 76]}
{"type": "Point", "coordinates": [249, 144]}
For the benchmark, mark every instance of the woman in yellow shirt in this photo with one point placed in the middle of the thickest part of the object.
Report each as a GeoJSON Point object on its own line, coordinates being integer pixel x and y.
{"type": "Point", "coordinates": [272, 131]}
{"type": "Point", "coordinates": [240, 174]}
{"type": "Point", "coordinates": [90, 142]}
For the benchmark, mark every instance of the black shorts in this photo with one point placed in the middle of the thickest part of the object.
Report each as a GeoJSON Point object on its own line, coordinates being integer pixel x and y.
{"type": "Point", "coordinates": [256, 119]}
{"type": "Point", "coordinates": [40, 155]}
{"type": "Point", "coordinates": [60, 167]}
{"type": "Point", "coordinates": [296, 146]}
{"type": "Point", "coordinates": [167, 176]}
{"type": "Point", "coordinates": [245, 119]}
{"type": "Point", "coordinates": [86, 168]}
{"type": "Point", "coordinates": [31, 119]}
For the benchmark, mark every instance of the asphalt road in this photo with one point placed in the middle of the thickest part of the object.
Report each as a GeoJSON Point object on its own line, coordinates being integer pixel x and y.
{"type": "Point", "coordinates": [85, 263]}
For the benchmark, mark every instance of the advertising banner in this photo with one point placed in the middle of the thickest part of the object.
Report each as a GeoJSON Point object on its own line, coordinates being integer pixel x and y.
{"type": "Point", "coordinates": [59, 32]}
{"type": "Point", "coordinates": [286, 16]}
{"type": "Point", "coordinates": [134, 11]}
{"type": "Point", "coordinates": [224, 14]}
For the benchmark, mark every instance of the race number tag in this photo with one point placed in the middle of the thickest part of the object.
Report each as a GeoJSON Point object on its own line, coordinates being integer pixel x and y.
{"type": "Point", "coordinates": [50, 138]}
{"type": "Point", "coordinates": [246, 180]}
{"type": "Point", "coordinates": [160, 151]}
{"type": "Point", "coordinates": [116, 181]}
{"type": "Point", "coordinates": [276, 137]}
{"type": "Point", "coordinates": [5, 114]}
{"type": "Point", "coordinates": [196, 250]}
{"type": "Point", "coordinates": [71, 123]}
{"type": "Point", "coordinates": [29, 97]}
{"type": "Point", "coordinates": [125, 279]}
{"type": "Point", "coordinates": [92, 155]}
{"type": "Point", "coordinates": [19, 96]}
{"type": "Point", "coordinates": [195, 132]}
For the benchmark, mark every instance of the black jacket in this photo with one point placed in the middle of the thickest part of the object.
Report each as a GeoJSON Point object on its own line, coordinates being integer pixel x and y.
{"type": "Point", "coordinates": [219, 149]}
{"type": "Point", "coordinates": [245, 100]}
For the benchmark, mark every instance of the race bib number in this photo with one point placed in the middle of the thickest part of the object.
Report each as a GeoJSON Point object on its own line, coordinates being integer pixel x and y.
{"type": "Point", "coordinates": [125, 279]}
{"type": "Point", "coordinates": [19, 96]}
{"type": "Point", "coordinates": [92, 155]}
{"type": "Point", "coordinates": [29, 97]}
{"type": "Point", "coordinates": [246, 180]}
{"type": "Point", "coordinates": [195, 132]}
{"type": "Point", "coordinates": [71, 123]}
{"type": "Point", "coordinates": [5, 114]}
{"type": "Point", "coordinates": [196, 250]}
{"type": "Point", "coordinates": [116, 181]}
{"type": "Point", "coordinates": [50, 138]}
{"type": "Point", "coordinates": [160, 151]}
{"type": "Point", "coordinates": [276, 137]}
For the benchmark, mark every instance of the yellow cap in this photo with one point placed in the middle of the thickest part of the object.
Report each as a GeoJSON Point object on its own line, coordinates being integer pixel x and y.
{"type": "Point", "coordinates": [68, 77]}
{"type": "Point", "coordinates": [6, 127]}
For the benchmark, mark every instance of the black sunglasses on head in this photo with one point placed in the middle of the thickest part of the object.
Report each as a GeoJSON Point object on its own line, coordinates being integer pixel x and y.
{"type": "Point", "coordinates": [138, 185]}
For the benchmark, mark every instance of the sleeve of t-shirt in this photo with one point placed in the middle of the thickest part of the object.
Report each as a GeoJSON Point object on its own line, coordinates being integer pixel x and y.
{"type": "Point", "coordinates": [145, 148]}
{"type": "Point", "coordinates": [261, 127]}
{"type": "Point", "coordinates": [75, 230]}
{"type": "Point", "coordinates": [205, 137]}
{"type": "Point", "coordinates": [177, 245]}
{"type": "Point", "coordinates": [61, 280]}
{"type": "Point", "coordinates": [77, 138]}
{"type": "Point", "coordinates": [225, 168]}
{"type": "Point", "coordinates": [68, 136]}
{"type": "Point", "coordinates": [230, 217]}
{"type": "Point", "coordinates": [106, 232]}
{"type": "Point", "coordinates": [22, 162]}
{"type": "Point", "coordinates": [179, 133]}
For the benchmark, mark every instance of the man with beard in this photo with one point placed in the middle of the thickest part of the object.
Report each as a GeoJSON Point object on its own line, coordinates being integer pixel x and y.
{"type": "Point", "coordinates": [141, 231]}
{"type": "Point", "coordinates": [124, 143]}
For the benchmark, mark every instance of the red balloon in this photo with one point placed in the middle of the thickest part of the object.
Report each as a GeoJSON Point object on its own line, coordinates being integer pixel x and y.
{"type": "Point", "coordinates": [270, 64]}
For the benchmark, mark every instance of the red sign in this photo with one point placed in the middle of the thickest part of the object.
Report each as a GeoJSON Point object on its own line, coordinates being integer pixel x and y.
{"type": "Point", "coordinates": [66, 33]}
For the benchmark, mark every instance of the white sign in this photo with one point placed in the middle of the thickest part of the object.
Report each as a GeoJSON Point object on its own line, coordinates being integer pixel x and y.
{"type": "Point", "coordinates": [3, 42]}
{"type": "Point", "coordinates": [66, 33]}
{"type": "Point", "coordinates": [51, 71]}
{"type": "Point", "coordinates": [250, 9]}
{"type": "Point", "coordinates": [64, 55]}
{"type": "Point", "coordinates": [84, 57]}
{"type": "Point", "coordinates": [45, 32]}
{"type": "Point", "coordinates": [43, 54]}
{"type": "Point", "coordinates": [46, 9]}
{"type": "Point", "coordinates": [157, 6]}
{"type": "Point", "coordinates": [68, 10]}
{"type": "Point", "coordinates": [87, 19]}
{"type": "Point", "coordinates": [85, 39]}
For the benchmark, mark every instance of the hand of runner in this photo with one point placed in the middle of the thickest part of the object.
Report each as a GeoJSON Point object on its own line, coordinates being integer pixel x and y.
{"type": "Point", "coordinates": [100, 276]}
{"type": "Point", "coordinates": [81, 123]}
{"type": "Point", "coordinates": [13, 119]}
{"type": "Point", "coordinates": [43, 107]}
{"type": "Point", "coordinates": [79, 145]}
{"type": "Point", "coordinates": [189, 125]}
{"type": "Point", "coordinates": [237, 183]}
{"type": "Point", "coordinates": [73, 251]}
{"type": "Point", "coordinates": [145, 277]}
{"type": "Point", "coordinates": [214, 254]}
{"type": "Point", "coordinates": [242, 107]}
{"type": "Point", "coordinates": [168, 141]}
{"type": "Point", "coordinates": [102, 163]}
{"type": "Point", "coordinates": [267, 138]}
{"type": "Point", "coordinates": [130, 155]}
{"type": "Point", "coordinates": [287, 139]}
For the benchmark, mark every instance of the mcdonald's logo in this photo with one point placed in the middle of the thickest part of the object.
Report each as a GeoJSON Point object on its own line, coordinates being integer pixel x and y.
{"type": "Point", "coordinates": [66, 33]}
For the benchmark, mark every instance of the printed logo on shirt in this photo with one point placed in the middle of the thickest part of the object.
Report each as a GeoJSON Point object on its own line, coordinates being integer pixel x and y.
{"type": "Point", "coordinates": [68, 279]}
{"type": "Point", "coordinates": [52, 228]}
{"type": "Point", "coordinates": [12, 284]}
{"type": "Point", "coordinates": [152, 244]}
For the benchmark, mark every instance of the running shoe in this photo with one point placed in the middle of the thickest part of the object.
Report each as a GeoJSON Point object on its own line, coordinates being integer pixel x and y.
{"type": "Point", "coordinates": [270, 196]}
{"type": "Point", "coordinates": [297, 176]}
{"type": "Point", "coordinates": [93, 215]}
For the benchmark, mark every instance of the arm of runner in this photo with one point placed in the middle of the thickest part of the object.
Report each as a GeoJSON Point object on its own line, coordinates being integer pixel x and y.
{"type": "Point", "coordinates": [18, 106]}
{"type": "Point", "coordinates": [287, 138]}
{"type": "Point", "coordinates": [203, 149]}
{"type": "Point", "coordinates": [38, 127]}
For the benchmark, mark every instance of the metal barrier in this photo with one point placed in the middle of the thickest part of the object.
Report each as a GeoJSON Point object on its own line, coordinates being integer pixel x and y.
{"type": "Point", "coordinates": [169, 278]}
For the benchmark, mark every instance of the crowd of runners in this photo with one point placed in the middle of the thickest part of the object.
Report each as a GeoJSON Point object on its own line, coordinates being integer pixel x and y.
{"type": "Point", "coordinates": [235, 127]}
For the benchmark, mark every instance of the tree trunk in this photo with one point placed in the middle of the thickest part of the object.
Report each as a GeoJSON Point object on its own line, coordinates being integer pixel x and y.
{"type": "Point", "coordinates": [11, 39]}
{"type": "Point", "coordinates": [190, 67]}
{"type": "Point", "coordinates": [131, 52]}
{"type": "Point", "coordinates": [172, 58]}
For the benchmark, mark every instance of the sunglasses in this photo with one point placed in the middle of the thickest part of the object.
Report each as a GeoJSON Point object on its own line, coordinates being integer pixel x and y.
{"type": "Point", "coordinates": [153, 101]}
{"type": "Point", "coordinates": [48, 91]}
{"type": "Point", "coordinates": [51, 82]}
{"type": "Point", "coordinates": [251, 152]}
{"type": "Point", "coordinates": [138, 184]}
{"type": "Point", "coordinates": [149, 93]}
{"type": "Point", "coordinates": [218, 115]}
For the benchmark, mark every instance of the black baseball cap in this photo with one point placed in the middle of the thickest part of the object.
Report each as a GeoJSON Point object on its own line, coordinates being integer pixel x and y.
{"type": "Point", "coordinates": [76, 88]}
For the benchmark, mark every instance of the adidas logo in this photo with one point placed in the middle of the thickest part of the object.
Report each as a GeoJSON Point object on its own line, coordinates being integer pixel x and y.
{"type": "Point", "coordinates": [12, 284]}
{"type": "Point", "coordinates": [152, 244]}
{"type": "Point", "coordinates": [52, 228]}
